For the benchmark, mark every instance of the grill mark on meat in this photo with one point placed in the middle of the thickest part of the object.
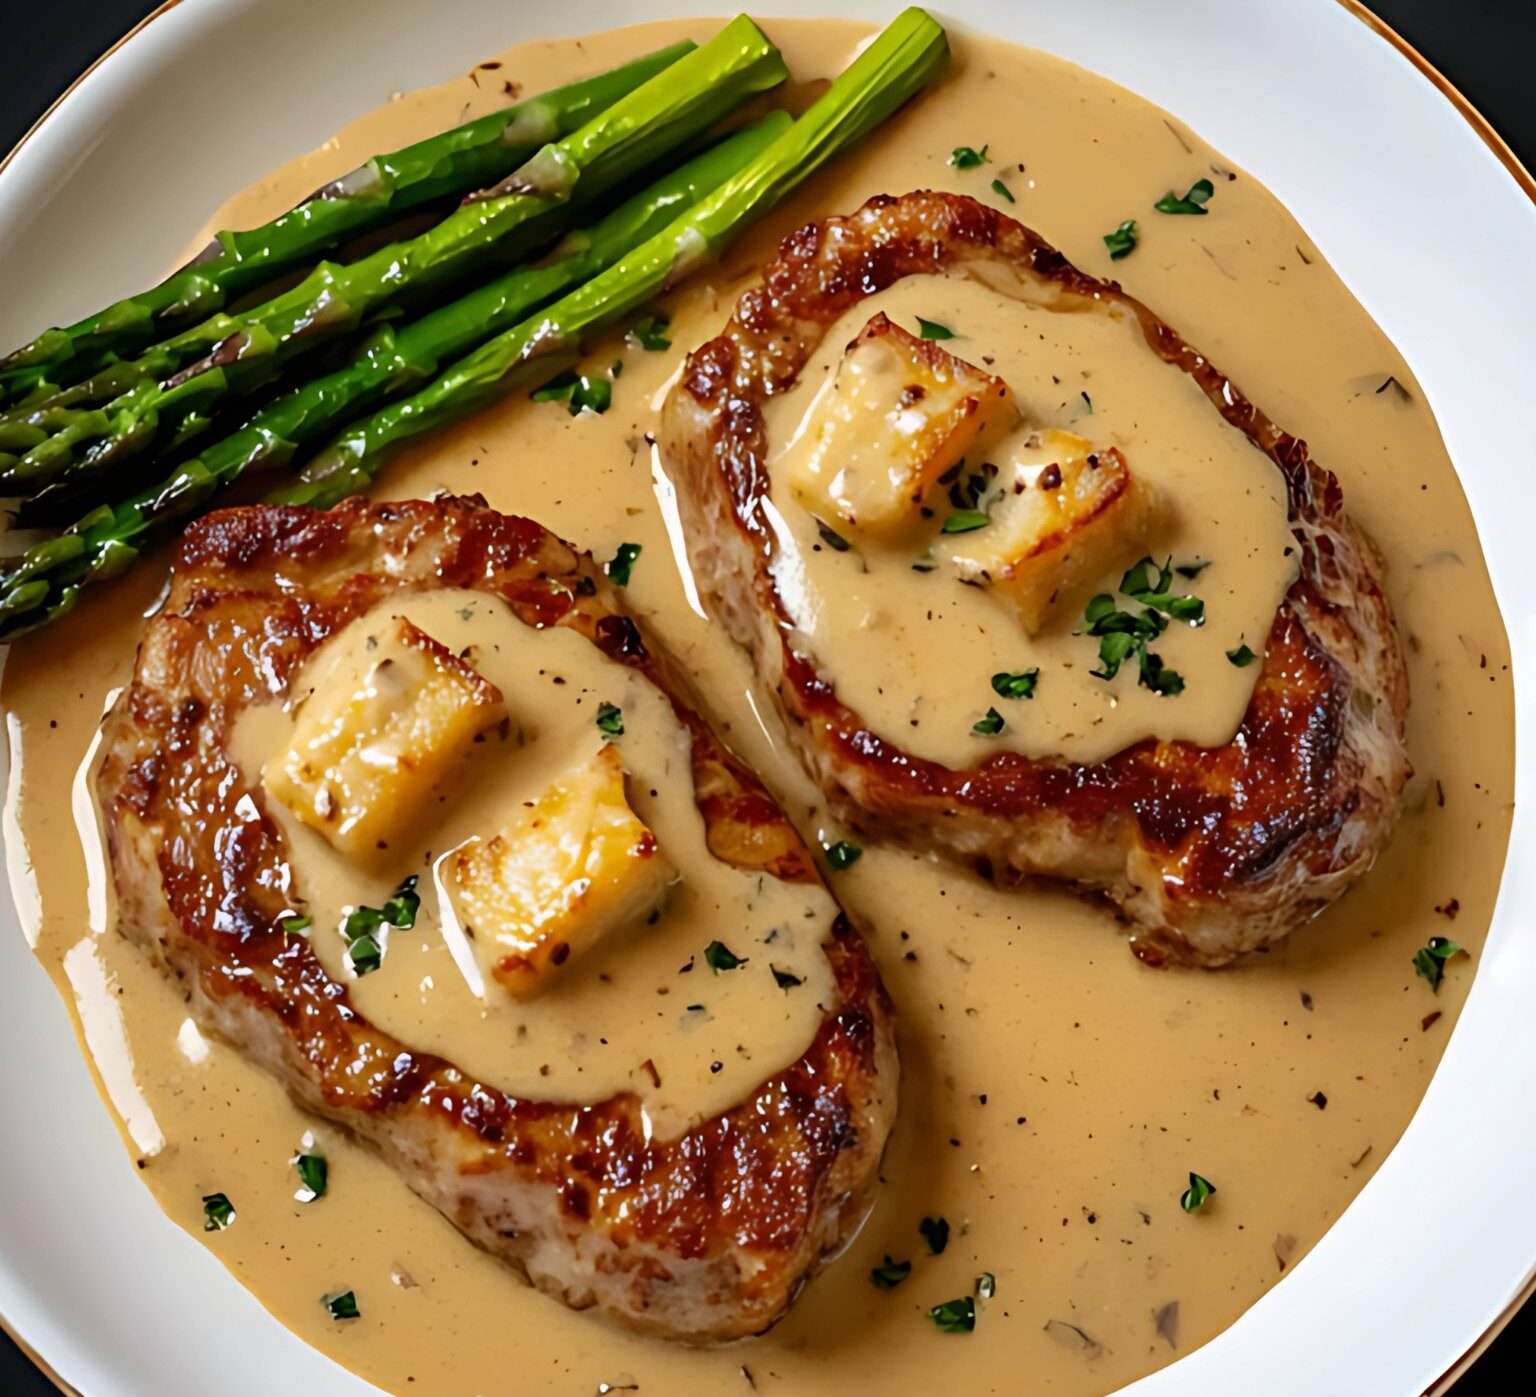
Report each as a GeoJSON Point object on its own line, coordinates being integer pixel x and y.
{"type": "Point", "coordinates": [1211, 852]}
{"type": "Point", "coordinates": [704, 1237]}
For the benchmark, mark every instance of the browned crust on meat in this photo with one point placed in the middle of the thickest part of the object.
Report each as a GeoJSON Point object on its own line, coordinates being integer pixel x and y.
{"type": "Point", "coordinates": [744, 1205]}
{"type": "Point", "coordinates": [1211, 852]}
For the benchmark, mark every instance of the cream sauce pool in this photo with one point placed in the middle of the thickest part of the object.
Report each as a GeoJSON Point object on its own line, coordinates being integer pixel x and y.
{"type": "Point", "coordinates": [1055, 1094]}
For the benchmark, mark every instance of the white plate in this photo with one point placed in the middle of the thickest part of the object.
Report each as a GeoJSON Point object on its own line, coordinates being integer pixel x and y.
{"type": "Point", "coordinates": [1393, 184]}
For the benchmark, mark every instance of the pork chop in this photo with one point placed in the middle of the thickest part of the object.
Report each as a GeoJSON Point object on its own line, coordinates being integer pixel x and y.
{"type": "Point", "coordinates": [1208, 852]}
{"type": "Point", "coordinates": [704, 1237]}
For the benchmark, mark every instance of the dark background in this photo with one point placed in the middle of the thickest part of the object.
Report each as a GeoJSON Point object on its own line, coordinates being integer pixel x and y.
{"type": "Point", "coordinates": [1483, 46]}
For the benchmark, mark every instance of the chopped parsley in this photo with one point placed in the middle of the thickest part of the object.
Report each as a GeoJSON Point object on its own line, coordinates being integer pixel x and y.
{"type": "Point", "coordinates": [968, 157]}
{"type": "Point", "coordinates": [989, 725]}
{"type": "Point", "coordinates": [1429, 961]}
{"type": "Point", "coordinates": [843, 854]}
{"type": "Point", "coordinates": [933, 330]}
{"type": "Point", "coordinates": [650, 332]}
{"type": "Point", "coordinates": [1194, 200]}
{"type": "Point", "coordinates": [580, 392]}
{"type": "Point", "coordinates": [622, 564]}
{"type": "Point", "coordinates": [964, 521]}
{"type": "Point", "coordinates": [1242, 657]}
{"type": "Point", "coordinates": [342, 1306]}
{"type": "Point", "coordinates": [718, 956]}
{"type": "Point", "coordinates": [314, 1174]}
{"type": "Point", "coordinates": [1002, 191]}
{"type": "Point", "coordinates": [890, 1274]}
{"type": "Point", "coordinates": [293, 924]}
{"type": "Point", "coordinates": [936, 1233]}
{"type": "Point", "coordinates": [955, 1316]}
{"type": "Point", "coordinates": [1193, 1198]}
{"type": "Point", "coordinates": [1140, 585]}
{"type": "Point", "coordinates": [986, 1286]}
{"type": "Point", "coordinates": [1121, 242]}
{"type": "Point", "coordinates": [218, 1212]}
{"type": "Point", "coordinates": [1019, 684]}
{"type": "Point", "coordinates": [400, 910]}
{"type": "Point", "coordinates": [784, 980]}
{"type": "Point", "coordinates": [610, 719]}
{"type": "Point", "coordinates": [366, 955]}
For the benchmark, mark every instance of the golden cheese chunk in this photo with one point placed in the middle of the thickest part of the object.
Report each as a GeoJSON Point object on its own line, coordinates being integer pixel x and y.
{"type": "Point", "coordinates": [387, 722]}
{"type": "Point", "coordinates": [1068, 515]}
{"type": "Point", "coordinates": [574, 868]}
{"type": "Point", "coordinates": [899, 413]}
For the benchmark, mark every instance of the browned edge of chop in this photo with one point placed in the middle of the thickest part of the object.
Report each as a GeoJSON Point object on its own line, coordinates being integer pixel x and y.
{"type": "Point", "coordinates": [1209, 852]}
{"type": "Point", "coordinates": [704, 1237]}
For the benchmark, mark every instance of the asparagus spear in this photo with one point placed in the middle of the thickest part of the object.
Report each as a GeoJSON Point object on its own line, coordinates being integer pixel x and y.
{"type": "Point", "coordinates": [48, 580]}
{"type": "Point", "coordinates": [110, 538]}
{"type": "Point", "coordinates": [227, 355]}
{"type": "Point", "coordinates": [908, 54]}
{"type": "Point", "coordinates": [395, 359]}
{"type": "Point", "coordinates": [452, 163]}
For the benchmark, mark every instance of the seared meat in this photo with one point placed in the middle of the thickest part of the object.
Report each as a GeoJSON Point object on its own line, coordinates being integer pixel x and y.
{"type": "Point", "coordinates": [704, 1237]}
{"type": "Point", "coordinates": [1208, 852]}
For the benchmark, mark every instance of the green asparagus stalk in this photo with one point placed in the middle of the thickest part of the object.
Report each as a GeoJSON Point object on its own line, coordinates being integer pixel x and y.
{"type": "Point", "coordinates": [226, 356]}
{"type": "Point", "coordinates": [395, 359]}
{"type": "Point", "coordinates": [454, 162]}
{"type": "Point", "coordinates": [907, 55]}
{"type": "Point", "coordinates": [48, 578]}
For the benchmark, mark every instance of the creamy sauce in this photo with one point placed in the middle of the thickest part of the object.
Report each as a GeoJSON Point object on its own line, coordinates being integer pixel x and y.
{"type": "Point", "coordinates": [625, 1016]}
{"type": "Point", "coordinates": [1056, 1093]}
{"type": "Point", "coordinates": [912, 651]}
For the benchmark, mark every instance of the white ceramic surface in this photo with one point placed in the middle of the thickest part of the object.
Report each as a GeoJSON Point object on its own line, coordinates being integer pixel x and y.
{"type": "Point", "coordinates": [1392, 184]}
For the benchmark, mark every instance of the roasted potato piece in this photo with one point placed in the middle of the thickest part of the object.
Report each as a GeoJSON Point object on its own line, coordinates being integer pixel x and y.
{"type": "Point", "coordinates": [899, 413]}
{"type": "Point", "coordinates": [575, 867]}
{"type": "Point", "coordinates": [387, 723]}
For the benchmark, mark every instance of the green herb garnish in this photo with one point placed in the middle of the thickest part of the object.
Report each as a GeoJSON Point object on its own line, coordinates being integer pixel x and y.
{"type": "Point", "coordinates": [1122, 242]}
{"type": "Point", "coordinates": [968, 157]}
{"type": "Point", "coordinates": [610, 719]}
{"type": "Point", "coordinates": [1194, 201]}
{"type": "Point", "coordinates": [366, 955]}
{"type": "Point", "coordinates": [784, 980]}
{"type": "Point", "coordinates": [1192, 570]}
{"type": "Point", "coordinates": [1430, 960]}
{"type": "Point", "coordinates": [843, 854]}
{"type": "Point", "coordinates": [218, 1212]}
{"type": "Point", "coordinates": [578, 391]}
{"type": "Point", "coordinates": [1242, 657]}
{"type": "Point", "coordinates": [293, 924]}
{"type": "Point", "coordinates": [890, 1274]}
{"type": "Point", "coordinates": [718, 956]}
{"type": "Point", "coordinates": [1002, 191]}
{"type": "Point", "coordinates": [986, 1286]}
{"type": "Point", "coordinates": [622, 564]}
{"type": "Point", "coordinates": [955, 1316]}
{"type": "Point", "coordinates": [1152, 586]}
{"type": "Point", "coordinates": [936, 1233]}
{"type": "Point", "coordinates": [1019, 684]}
{"type": "Point", "coordinates": [314, 1174]}
{"type": "Point", "coordinates": [989, 725]}
{"type": "Point", "coordinates": [964, 521]}
{"type": "Point", "coordinates": [1193, 1198]}
{"type": "Point", "coordinates": [402, 907]}
{"type": "Point", "coordinates": [650, 332]}
{"type": "Point", "coordinates": [932, 330]}
{"type": "Point", "coordinates": [342, 1306]}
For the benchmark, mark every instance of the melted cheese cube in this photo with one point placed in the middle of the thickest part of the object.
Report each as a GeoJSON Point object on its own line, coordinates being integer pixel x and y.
{"type": "Point", "coordinates": [388, 721]}
{"type": "Point", "coordinates": [1069, 514]}
{"type": "Point", "coordinates": [574, 868]}
{"type": "Point", "coordinates": [898, 414]}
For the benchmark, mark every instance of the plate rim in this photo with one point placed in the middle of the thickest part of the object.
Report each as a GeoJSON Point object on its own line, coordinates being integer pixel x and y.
{"type": "Point", "coordinates": [1464, 107]}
